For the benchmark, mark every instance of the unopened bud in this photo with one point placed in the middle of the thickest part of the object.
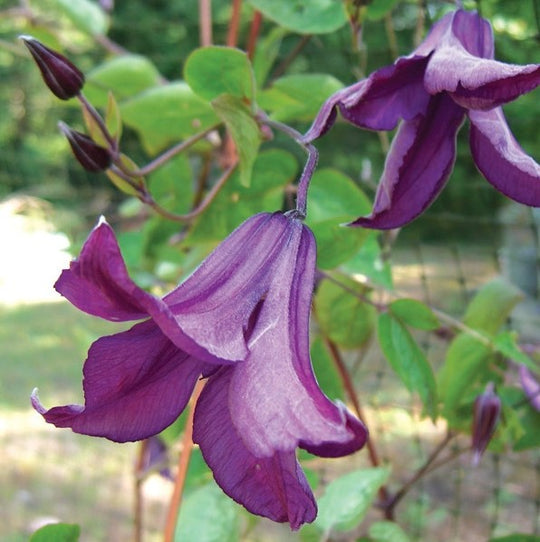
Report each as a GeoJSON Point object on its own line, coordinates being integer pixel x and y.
{"type": "Point", "coordinates": [63, 78]}
{"type": "Point", "coordinates": [487, 411]}
{"type": "Point", "coordinates": [89, 154]}
{"type": "Point", "coordinates": [530, 386]}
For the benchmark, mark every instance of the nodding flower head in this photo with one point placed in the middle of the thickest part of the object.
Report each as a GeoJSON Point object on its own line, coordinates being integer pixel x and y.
{"type": "Point", "coordinates": [487, 412]}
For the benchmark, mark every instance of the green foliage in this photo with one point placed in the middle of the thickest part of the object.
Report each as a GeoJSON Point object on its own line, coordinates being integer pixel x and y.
{"type": "Point", "coordinates": [85, 15]}
{"type": "Point", "coordinates": [347, 499]}
{"type": "Point", "coordinates": [387, 531]}
{"type": "Point", "coordinates": [208, 515]}
{"type": "Point", "coordinates": [408, 360]}
{"type": "Point", "coordinates": [57, 532]}
{"type": "Point", "coordinates": [304, 16]}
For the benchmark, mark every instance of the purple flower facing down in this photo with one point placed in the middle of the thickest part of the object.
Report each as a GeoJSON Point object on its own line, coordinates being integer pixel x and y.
{"type": "Point", "coordinates": [487, 411]}
{"type": "Point", "coordinates": [62, 77]}
{"type": "Point", "coordinates": [451, 75]}
{"type": "Point", "coordinates": [241, 320]}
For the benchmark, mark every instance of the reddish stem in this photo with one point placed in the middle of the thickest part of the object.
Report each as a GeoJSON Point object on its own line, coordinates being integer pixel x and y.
{"type": "Point", "coordinates": [205, 22]}
{"type": "Point", "coordinates": [183, 464]}
{"type": "Point", "coordinates": [254, 34]}
{"type": "Point", "coordinates": [234, 24]}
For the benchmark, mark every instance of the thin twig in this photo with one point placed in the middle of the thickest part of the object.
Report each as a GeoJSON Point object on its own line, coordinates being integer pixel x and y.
{"type": "Point", "coordinates": [253, 34]}
{"type": "Point", "coordinates": [234, 23]}
{"type": "Point", "coordinates": [353, 398]}
{"type": "Point", "coordinates": [205, 22]}
{"type": "Point", "coordinates": [287, 61]}
{"type": "Point", "coordinates": [183, 464]}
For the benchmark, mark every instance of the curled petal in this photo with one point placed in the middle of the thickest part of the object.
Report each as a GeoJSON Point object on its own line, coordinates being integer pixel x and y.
{"type": "Point", "coordinates": [272, 486]}
{"type": "Point", "coordinates": [501, 159]}
{"type": "Point", "coordinates": [417, 166]}
{"type": "Point", "coordinates": [389, 95]}
{"type": "Point", "coordinates": [136, 383]}
{"type": "Point", "coordinates": [97, 282]}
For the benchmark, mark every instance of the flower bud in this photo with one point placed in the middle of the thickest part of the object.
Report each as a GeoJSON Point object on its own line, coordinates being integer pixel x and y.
{"type": "Point", "coordinates": [530, 386]}
{"type": "Point", "coordinates": [487, 410]}
{"type": "Point", "coordinates": [63, 78]}
{"type": "Point", "coordinates": [89, 154]}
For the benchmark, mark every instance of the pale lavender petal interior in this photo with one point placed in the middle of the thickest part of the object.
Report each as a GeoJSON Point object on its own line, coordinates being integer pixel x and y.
{"type": "Point", "coordinates": [501, 159]}
{"type": "Point", "coordinates": [136, 383]}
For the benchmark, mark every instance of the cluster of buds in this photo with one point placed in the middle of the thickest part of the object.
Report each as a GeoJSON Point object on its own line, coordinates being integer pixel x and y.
{"type": "Point", "coordinates": [99, 151]}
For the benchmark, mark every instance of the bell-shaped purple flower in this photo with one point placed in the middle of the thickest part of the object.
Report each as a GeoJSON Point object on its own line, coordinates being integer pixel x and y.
{"type": "Point", "coordinates": [62, 77]}
{"type": "Point", "coordinates": [487, 411]}
{"type": "Point", "coordinates": [451, 75]}
{"type": "Point", "coordinates": [242, 320]}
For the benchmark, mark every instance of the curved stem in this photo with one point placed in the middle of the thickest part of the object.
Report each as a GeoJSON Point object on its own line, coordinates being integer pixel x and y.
{"type": "Point", "coordinates": [311, 163]}
{"type": "Point", "coordinates": [183, 464]}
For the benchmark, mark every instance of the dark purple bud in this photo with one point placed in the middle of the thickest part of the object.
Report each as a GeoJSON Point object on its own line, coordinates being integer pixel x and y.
{"type": "Point", "coordinates": [63, 78]}
{"type": "Point", "coordinates": [90, 155]}
{"type": "Point", "coordinates": [155, 457]}
{"type": "Point", "coordinates": [487, 411]}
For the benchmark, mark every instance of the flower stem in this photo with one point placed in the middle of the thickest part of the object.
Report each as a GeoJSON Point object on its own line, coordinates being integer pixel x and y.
{"type": "Point", "coordinates": [113, 145]}
{"type": "Point", "coordinates": [205, 22]}
{"type": "Point", "coordinates": [183, 464]}
{"type": "Point", "coordinates": [138, 504]}
{"type": "Point", "coordinates": [311, 163]}
{"type": "Point", "coordinates": [234, 23]}
{"type": "Point", "coordinates": [353, 398]}
{"type": "Point", "coordinates": [253, 34]}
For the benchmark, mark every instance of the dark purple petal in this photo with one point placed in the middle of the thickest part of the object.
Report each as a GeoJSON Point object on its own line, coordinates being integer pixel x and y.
{"type": "Point", "coordinates": [89, 154]}
{"type": "Point", "coordinates": [417, 166]}
{"type": "Point", "coordinates": [389, 95]}
{"type": "Point", "coordinates": [530, 386]}
{"type": "Point", "coordinates": [97, 282]}
{"type": "Point", "coordinates": [136, 383]}
{"type": "Point", "coordinates": [501, 159]}
{"type": "Point", "coordinates": [63, 78]}
{"type": "Point", "coordinates": [273, 485]}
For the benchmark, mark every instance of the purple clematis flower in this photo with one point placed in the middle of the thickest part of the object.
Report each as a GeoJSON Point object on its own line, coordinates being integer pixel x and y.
{"type": "Point", "coordinates": [242, 320]}
{"type": "Point", "coordinates": [451, 75]}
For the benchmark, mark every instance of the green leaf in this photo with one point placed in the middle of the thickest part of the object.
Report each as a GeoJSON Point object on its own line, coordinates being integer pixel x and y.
{"type": "Point", "coordinates": [343, 317]}
{"type": "Point", "coordinates": [243, 129]}
{"type": "Point", "coordinates": [348, 498]}
{"type": "Point", "coordinates": [505, 343]}
{"type": "Point", "coordinates": [492, 305]}
{"type": "Point", "coordinates": [325, 371]}
{"type": "Point", "coordinates": [124, 76]}
{"type": "Point", "coordinates": [408, 360]}
{"type": "Point", "coordinates": [272, 171]}
{"type": "Point", "coordinates": [167, 114]}
{"type": "Point", "coordinates": [266, 53]}
{"type": "Point", "coordinates": [212, 71]}
{"type": "Point", "coordinates": [387, 531]}
{"type": "Point", "coordinates": [113, 120]}
{"type": "Point", "coordinates": [299, 96]}
{"type": "Point", "coordinates": [304, 16]}
{"type": "Point", "coordinates": [377, 9]}
{"type": "Point", "coordinates": [368, 261]}
{"type": "Point", "coordinates": [332, 200]}
{"type": "Point", "coordinates": [57, 532]}
{"type": "Point", "coordinates": [465, 357]}
{"type": "Point", "coordinates": [414, 313]}
{"type": "Point", "coordinates": [516, 537]}
{"type": "Point", "coordinates": [121, 183]}
{"type": "Point", "coordinates": [208, 515]}
{"type": "Point", "coordinates": [87, 16]}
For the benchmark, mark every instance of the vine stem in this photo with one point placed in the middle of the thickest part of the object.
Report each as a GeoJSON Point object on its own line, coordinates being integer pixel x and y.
{"type": "Point", "coordinates": [138, 504]}
{"type": "Point", "coordinates": [353, 398]}
{"type": "Point", "coordinates": [390, 505]}
{"type": "Point", "coordinates": [205, 22]}
{"type": "Point", "coordinates": [311, 163]}
{"type": "Point", "coordinates": [253, 34]}
{"type": "Point", "coordinates": [234, 24]}
{"type": "Point", "coordinates": [100, 122]}
{"type": "Point", "coordinates": [183, 464]}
